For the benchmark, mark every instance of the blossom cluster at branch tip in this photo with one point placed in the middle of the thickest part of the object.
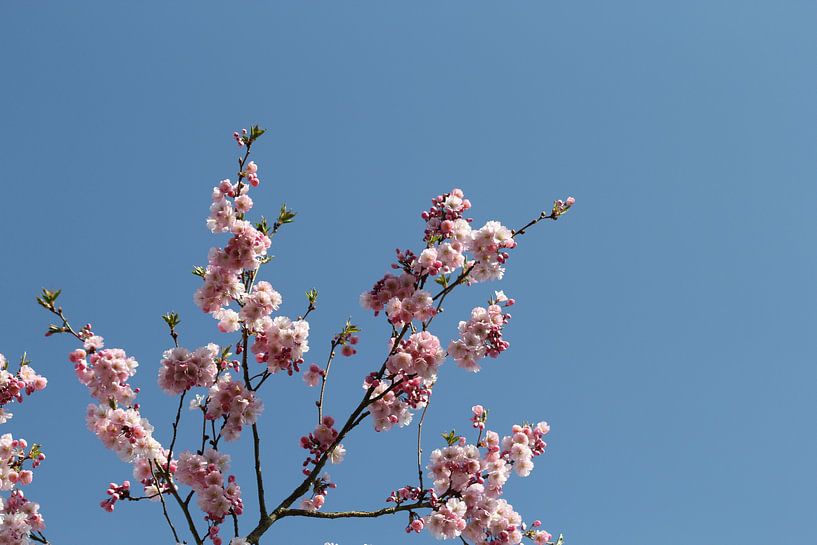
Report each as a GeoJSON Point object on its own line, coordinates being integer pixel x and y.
{"type": "Point", "coordinates": [115, 493]}
{"type": "Point", "coordinates": [105, 371]}
{"type": "Point", "coordinates": [473, 482]}
{"type": "Point", "coordinates": [124, 431]}
{"type": "Point", "coordinates": [14, 386]}
{"type": "Point", "coordinates": [560, 206]}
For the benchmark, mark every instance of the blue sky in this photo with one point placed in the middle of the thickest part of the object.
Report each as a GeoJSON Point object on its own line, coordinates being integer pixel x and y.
{"type": "Point", "coordinates": [664, 328]}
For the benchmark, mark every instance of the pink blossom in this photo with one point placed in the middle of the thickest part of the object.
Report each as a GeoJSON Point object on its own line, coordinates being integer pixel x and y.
{"type": "Point", "coordinates": [231, 399]}
{"type": "Point", "coordinates": [480, 336]}
{"type": "Point", "coordinates": [313, 376]}
{"type": "Point", "coordinates": [106, 375]}
{"type": "Point", "coordinates": [221, 286]}
{"type": "Point", "coordinates": [448, 521]}
{"type": "Point", "coordinates": [124, 431]}
{"type": "Point", "coordinates": [259, 304]}
{"type": "Point", "coordinates": [18, 518]}
{"type": "Point", "coordinates": [419, 355]}
{"type": "Point", "coordinates": [229, 320]}
{"type": "Point", "coordinates": [319, 442]}
{"type": "Point", "coordinates": [281, 344]}
{"type": "Point", "coordinates": [182, 369]}
{"type": "Point", "coordinates": [243, 203]}
{"type": "Point", "coordinates": [388, 287]}
{"type": "Point", "coordinates": [204, 474]}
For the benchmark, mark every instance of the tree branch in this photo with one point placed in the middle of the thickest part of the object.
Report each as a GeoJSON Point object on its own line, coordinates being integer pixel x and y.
{"type": "Point", "coordinates": [353, 514]}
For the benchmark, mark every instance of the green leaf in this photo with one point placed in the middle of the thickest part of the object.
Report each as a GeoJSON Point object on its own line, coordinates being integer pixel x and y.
{"type": "Point", "coordinates": [171, 319]}
{"type": "Point", "coordinates": [286, 215]}
{"type": "Point", "coordinates": [199, 271]}
{"type": "Point", "coordinates": [451, 437]}
{"type": "Point", "coordinates": [256, 131]}
{"type": "Point", "coordinates": [47, 298]}
{"type": "Point", "coordinates": [350, 328]}
{"type": "Point", "coordinates": [442, 280]}
{"type": "Point", "coordinates": [263, 226]}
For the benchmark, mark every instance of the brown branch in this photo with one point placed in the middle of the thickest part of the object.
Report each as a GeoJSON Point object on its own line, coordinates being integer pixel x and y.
{"type": "Point", "coordinates": [39, 537]}
{"type": "Point", "coordinates": [543, 216]}
{"type": "Point", "coordinates": [419, 442]}
{"type": "Point", "coordinates": [325, 377]}
{"type": "Point", "coordinates": [353, 514]}
{"type": "Point", "coordinates": [176, 425]}
{"type": "Point", "coordinates": [256, 440]}
{"type": "Point", "coordinates": [162, 499]}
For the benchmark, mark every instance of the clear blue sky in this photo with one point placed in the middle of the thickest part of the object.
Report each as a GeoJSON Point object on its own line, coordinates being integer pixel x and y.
{"type": "Point", "coordinates": [665, 328]}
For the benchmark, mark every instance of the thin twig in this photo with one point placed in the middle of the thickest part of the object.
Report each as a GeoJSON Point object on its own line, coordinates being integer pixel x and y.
{"type": "Point", "coordinates": [256, 440]}
{"type": "Point", "coordinates": [419, 442]}
{"type": "Point", "coordinates": [162, 499]}
{"type": "Point", "coordinates": [325, 377]}
{"type": "Point", "coordinates": [176, 425]}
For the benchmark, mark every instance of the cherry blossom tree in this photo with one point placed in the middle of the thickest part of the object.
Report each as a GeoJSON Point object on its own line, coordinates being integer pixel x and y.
{"type": "Point", "coordinates": [459, 489]}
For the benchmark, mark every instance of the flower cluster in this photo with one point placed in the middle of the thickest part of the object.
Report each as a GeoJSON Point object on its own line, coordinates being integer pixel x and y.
{"type": "Point", "coordinates": [418, 306]}
{"type": "Point", "coordinates": [448, 520]}
{"type": "Point", "coordinates": [115, 493]}
{"type": "Point", "coordinates": [387, 288]}
{"type": "Point", "coordinates": [124, 431]}
{"type": "Point", "coordinates": [182, 369]}
{"type": "Point", "coordinates": [12, 457]}
{"type": "Point", "coordinates": [474, 481]}
{"type": "Point", "coordinates": [243, 251]}
{"type": "Point", "coordinates": [480, 336]}
{"type": "Point", "coordinates": [444, 218]}
{"type": "Point", "coordinates": [281, 344]}
{"type": "Point", "coordinates": [410, 373]}
{"type": "Point", "coordinates": [19, 517]}
{"type": "Point", "coordinates": [155, 474]}
{"type": "Point", "coordinates": [487, 245]}
{"type": "Point", "coordinates": [105, 372]}
{"type": "Point", "coordinates": [247, 246]}
{"type": "Point", "coordinates": [523, 445]}
{"type": "Point", "coordinates": [233, 401]}
{"type": "Point", "coordinates": [419, 355]}
{"type": "Point", "coordinates": [259, 304]}
{"type": "Point", "coordinates": [319, 491]}
{"type": "Point", "coordinates": [205, 475]}
{"type": "Point", "coordinates": [319, 441]}
{"type": "Point", "coordinates": [389, 408]}
{"type": "Point", "coordinates": [220, 287]}
{"type": "Point", "coordinates": [116, 420]}
{"type": "Point", "coordinates": [13, 386]}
